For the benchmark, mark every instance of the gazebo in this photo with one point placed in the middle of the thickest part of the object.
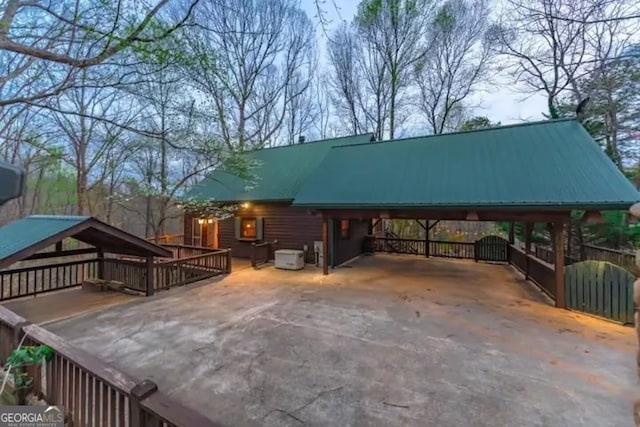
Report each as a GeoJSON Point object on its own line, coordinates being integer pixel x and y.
{"type": "Point", "coordinates": [29, 238]}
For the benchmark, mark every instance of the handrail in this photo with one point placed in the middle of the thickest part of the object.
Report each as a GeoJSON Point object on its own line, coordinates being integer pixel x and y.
{"type": "Point", "coordinates": [254, 252]}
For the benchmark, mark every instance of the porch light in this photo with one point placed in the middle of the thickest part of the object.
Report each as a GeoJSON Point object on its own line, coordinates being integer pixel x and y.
{"type": "Point", "coordinates": [200, 221]}
{"type": "Point", "coordinates": [593, 217]}
{"type": "Point", "coordinates": [245, 205]}
{"type": "Point", "coordinates": [210, 220]}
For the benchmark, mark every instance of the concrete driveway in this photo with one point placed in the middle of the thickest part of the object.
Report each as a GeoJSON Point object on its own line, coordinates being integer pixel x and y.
{"type": "Point", "coordinates": [390, 341]}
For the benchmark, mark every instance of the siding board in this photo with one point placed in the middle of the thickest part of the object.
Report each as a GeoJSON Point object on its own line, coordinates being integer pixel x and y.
{"type": "Point", "coordinates": [292, 227]}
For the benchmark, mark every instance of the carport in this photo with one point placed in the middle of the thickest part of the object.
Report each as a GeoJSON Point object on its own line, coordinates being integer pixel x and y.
{"type": "Point", "coordinates": [528, 173]}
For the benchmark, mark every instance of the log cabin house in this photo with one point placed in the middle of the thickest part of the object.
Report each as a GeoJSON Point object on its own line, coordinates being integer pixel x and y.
{"type": "Point", "coordinates": [332, 190]}
{"type": "Point", "coordinates": [265, 212]}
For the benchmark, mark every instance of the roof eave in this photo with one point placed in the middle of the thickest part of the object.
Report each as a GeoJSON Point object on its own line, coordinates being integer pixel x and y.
{"type": "Point", "coordinates": [619, 205]}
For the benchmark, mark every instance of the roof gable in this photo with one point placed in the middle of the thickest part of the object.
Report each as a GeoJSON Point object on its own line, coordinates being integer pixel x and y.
{"type": "Point", "coordinates": [554, 164]}
{"type": "Point", "coordinates": [279, 173]}
{"type": "Point", "coordinates": [25, 237]}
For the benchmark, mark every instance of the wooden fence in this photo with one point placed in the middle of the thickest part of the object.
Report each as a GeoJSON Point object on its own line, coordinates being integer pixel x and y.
{"type": "Point", "coordinates": [92, 392]}
{"type": "Point", "coordinates": [600, 288]}
{"type": "Point", "coordinates": [33, 280]}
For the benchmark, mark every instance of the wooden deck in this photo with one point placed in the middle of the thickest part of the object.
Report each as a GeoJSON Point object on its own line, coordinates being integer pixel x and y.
{"type": "Point", "coordinates": [65, 304]}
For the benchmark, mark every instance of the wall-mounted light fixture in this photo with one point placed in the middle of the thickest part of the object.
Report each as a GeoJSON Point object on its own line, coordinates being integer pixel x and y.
{"type": "Point", "coordinates": [200, 221]}
{"type": "Point", "coordinates": [245, 205]}
{"type": "Point", "coordinates": [210, 220]}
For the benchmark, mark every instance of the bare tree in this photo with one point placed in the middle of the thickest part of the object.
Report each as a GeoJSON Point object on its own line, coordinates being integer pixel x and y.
{"type": "Point", "coordinates": [549, 53]}
{"type": "Point", "coordinates": [393, 32]}
{"type": "Point", "coordinates": [347, 81]}
{"type": "Point", "coordinates": [456, 61]}
{"type": "Point", "coordinates": [56, 39]}
{"type": "Point", "coordinates": [245, 56]}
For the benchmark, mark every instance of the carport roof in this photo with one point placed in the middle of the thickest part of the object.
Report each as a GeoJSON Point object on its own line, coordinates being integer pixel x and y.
{"type": "Point", "coordinates": [25, 237]}
{"type": "Point", "coordinates": [547, 165]}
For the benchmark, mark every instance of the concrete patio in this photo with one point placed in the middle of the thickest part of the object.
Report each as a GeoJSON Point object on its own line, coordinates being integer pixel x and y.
{"type": "Point", "coordinates": [389, 340]}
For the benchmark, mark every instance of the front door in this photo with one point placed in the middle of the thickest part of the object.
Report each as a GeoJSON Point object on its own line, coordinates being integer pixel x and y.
{"type": "Point", "coordinates": [205, 232]}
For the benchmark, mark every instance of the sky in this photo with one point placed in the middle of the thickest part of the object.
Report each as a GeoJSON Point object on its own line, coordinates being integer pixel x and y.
{"type": "Point", "coordinates": [500, 102]}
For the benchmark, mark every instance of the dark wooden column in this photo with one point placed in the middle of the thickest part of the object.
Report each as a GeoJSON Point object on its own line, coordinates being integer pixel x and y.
{"type": "Point", "coordinates": [426, 238]}
{"type": "Point", "coordinates": [325, 245]}
{"type": "Point", "coordinates": [150, 285]}
{"type": "Point", "coordinates": [558, 239]}
{"type": "Point", "coordinates": [512, 234]}
{"type": "Point", "coordinates": [528, 230]}
{"type": "Point", "coordinates": [100, 263]}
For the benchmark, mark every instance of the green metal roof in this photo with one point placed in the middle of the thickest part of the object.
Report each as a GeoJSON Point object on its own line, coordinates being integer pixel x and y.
{"type": "Point", "coordinates": [24, 233]}
{"type": "Point", "coordinates": [278, 174]}
{"type": "Point", "coordinates": [550, 164]}
{"type": "Point", "coordinates": [26, 236]}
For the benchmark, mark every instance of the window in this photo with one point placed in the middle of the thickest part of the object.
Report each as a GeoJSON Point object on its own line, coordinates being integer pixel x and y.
{"type": "Point", "coordinates": [248, 228]}
{"type": "Point", "coordinates": [344, 229]}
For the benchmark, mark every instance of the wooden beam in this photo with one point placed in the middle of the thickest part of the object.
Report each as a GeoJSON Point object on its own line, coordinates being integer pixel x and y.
{"type": "Point", "coordinates": [434, 224]}
{"type": "Point", "coordinates": [528, 230]}
{"type": "Point", "coordinates": [512, 237]}
{"type": "Point", "coordinates": [325, 245]}
{"type": "Point", "coordinates": [150, 285]}
{"type": "Point", "coordinates": [558, 238]}
{"type": "Point", "coordinates": [100, 263]}
{"type": "Point", "coordinates": [452, 214]}
{"type": "Point", "coordinates": [427, 229]}
{"type": "Point", "coordinates": [71, 252]}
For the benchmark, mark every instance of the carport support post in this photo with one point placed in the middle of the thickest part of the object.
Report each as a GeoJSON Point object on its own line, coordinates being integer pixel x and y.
{"type": "Point", "coordinates": [100, 263]}
{"type": "Point", "coordinates": [528, 229]}
{"type": "Point", "coordinates": [325, 245]}
{"type": "Point", "coordinates": [427, 229]}
{"type": "Point", "coordinates": [150, 287]}
{"type": "Point", "coordinates": [512, 237]}
{"type": "Point", "coordinates": [558, 239]}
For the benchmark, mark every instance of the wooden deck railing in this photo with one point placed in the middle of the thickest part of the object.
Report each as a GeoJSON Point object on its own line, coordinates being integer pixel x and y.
{"type": "Point", "coordinates": [132, 273]}
{"type": "Point", "coordinates": [262, 252]}
{"type": "Point", "coordinates": [186, 251]}
{"type": "Point", "coordinates": [168, 239]}
{"type": "Point", "coordinates": [537, 270]}
{"type": "Point", "coordinates": [192, 269]}
{"type": "Point", "coordinates": [92, 392]}
{"type": "Point", "coordinates": [463, 250]}
{"type": "Point", "coordinates": [34, 280]}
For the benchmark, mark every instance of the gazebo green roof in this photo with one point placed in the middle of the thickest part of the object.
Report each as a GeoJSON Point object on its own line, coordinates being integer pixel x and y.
{"type": "Point", "coordinates": [278, 173]}
{"type": "Point", "coordinates": [543, 165]}
{"type": "Point", "coordinates": [27, 236]}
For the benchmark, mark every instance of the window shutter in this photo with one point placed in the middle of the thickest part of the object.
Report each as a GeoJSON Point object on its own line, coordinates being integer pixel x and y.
{"type": "Point", "coordinates": [236, 226]}
{"type": "Point", "coordinates": [259, 228]}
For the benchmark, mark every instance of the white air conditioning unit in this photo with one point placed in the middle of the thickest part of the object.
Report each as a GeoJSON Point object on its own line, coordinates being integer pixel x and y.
{"type": "Point", "coordinates": [289, 259]}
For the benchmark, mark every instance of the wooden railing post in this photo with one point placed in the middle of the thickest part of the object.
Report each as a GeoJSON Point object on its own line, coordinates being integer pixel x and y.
{"type": "Point", "coordinates": [149, 285]}
{"type": "Point", "coordinates": [100, 263]}
{"type": "Point", "coordinates": [229, 261]}
{"type": "Point", "coordinates": [138, 393]}
{"type": "Point", "coordinates": [253, 255]}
